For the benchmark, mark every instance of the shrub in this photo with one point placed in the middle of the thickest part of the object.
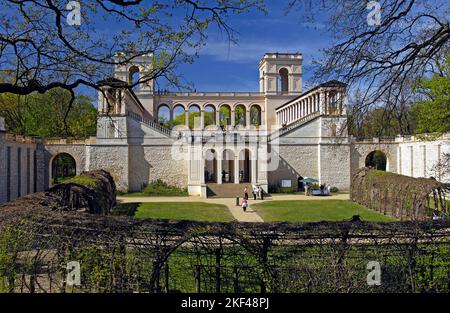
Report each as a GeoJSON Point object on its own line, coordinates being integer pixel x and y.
{"type": "Point", "coordinates": [160, 188]}
{"type": "Point", "coordinates": [334, 189]}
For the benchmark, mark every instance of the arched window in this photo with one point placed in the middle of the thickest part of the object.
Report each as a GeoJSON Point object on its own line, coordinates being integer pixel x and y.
{"type": "Point", "coordinates": [179, 117]}
{"type": "Point", "coordinates": [283, 87]}
{"type": "Point", "coordinates": [63, 167]}
{"type": "Point", "coordinates": [244, 166]}
{"type": "Point", "coordinates": [211, 174]}
{"type": "Point", "coordinates": [134, 77]}
{"type": "Point", "coordinates": [210, 115]}
{"type": "Point", "coordinates": [255, 115]}
{"type": "Point", "coordinates": [194, 116]}
{"type": "Point", "coordinates": [239, 115]}
{"type": "Point", "coordinates": [227, 166]}
{"type": "Point", "coordinates": [377, 160]}
{"type": "Point", "coordinates": [164, 115]}
{"type": "Point", "coordinates": [225, 115]}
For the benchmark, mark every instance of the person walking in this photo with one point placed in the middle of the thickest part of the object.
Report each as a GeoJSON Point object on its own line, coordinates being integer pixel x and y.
{"type": "Point", "coordinates": [244, 205]}
{"type": "Point", "coordinates": [245, 194]}
{"type": "Point", "coordinates": [254, 192]}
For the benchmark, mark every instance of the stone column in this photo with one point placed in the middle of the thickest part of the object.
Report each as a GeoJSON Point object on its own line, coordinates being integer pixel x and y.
{"type": "Point", "coordinates": [253, 160]}
{"type": "Point", "coordinates": [186, 115]}
{"type": "Point", "coordinates": [232, 117]}
{"type": "Point", "coordinates": [202, 119]}
{"type": "Point", "coordinates": [217, 117]}
{"type": "Point", "coordinates": [202, 170]}
{"type": "Point", "coordinates": [247, 117]}
{"type": "Point", "coordinates": [219, 170]}
{"type": "Point", "coordinates": [236, 169]}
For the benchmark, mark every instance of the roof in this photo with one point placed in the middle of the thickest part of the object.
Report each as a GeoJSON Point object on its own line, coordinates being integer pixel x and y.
{"type": "Point", "coordinates": [331, 83]}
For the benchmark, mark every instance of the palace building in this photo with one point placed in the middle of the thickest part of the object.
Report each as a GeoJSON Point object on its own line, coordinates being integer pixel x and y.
{"type": "Point", "coordinates": [214, 143]}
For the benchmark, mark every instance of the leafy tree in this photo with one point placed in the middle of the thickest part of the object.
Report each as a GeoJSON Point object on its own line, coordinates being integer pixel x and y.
{"type": "Point", "coordinates": [433, 115]}
{"type": "Point", "coordinates": [44, 114]}
{"type": "Point", "coordinates": [239, 115]}
{"type": "Point", "coordinates": [255, 116]}
{"type": "Point", "coordinates": [225, 116]}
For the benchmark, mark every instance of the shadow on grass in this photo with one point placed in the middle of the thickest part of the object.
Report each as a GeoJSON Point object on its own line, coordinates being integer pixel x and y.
{"type": "Point", "coordinates": [125, 209]}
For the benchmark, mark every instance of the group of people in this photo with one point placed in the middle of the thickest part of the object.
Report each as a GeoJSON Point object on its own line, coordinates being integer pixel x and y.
{"type": "Point", "coordinates": [324, 189]}
{"type": "Point", "coordinates": [257, 192]}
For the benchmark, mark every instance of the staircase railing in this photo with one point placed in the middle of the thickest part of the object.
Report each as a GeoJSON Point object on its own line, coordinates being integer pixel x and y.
{"type": "Point", "coordinates": [294, 124]}
{"type": "Point", "coordinates": [150, 123]}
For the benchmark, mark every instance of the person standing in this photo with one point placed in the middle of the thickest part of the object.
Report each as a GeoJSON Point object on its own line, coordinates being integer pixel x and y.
{"type": "Point", "coordinates": [254, 192]}
{"type": "Point", "coordinates": [261, 193]}
{"type": "Point", "coordinates": [245, 194]}
{"type": "Point", "coordinates": [244, 205]}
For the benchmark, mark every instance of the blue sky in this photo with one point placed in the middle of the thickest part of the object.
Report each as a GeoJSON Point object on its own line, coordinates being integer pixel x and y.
{"type": "Point", "coordinates": [225, 67]}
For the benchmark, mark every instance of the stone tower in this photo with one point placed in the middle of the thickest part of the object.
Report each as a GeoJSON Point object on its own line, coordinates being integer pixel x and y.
{"type": "Point", "coordinates": [138, 68]}
{"type": "Point", "coordinates": [280, 74]}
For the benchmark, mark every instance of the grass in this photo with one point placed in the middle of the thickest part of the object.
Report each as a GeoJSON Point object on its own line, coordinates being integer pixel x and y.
{"type": "Point", "coordinates": [81, 180]}
{"type": "Point", "coordinates": [315, 211]}
{"type": "Point", "coordinates": [194, 211]}
{"type": "Point", "coordinates": [158, 188]}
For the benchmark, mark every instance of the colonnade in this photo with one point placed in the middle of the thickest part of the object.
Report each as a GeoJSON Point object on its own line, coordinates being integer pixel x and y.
{"type": "Point", "coordinates": [323, 101]}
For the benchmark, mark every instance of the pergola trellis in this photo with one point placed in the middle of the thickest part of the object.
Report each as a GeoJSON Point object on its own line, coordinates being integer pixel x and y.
{"type": "Point", "coordinates": [402, 197]}
{"type": "Point", "coordinates": [121, 254]}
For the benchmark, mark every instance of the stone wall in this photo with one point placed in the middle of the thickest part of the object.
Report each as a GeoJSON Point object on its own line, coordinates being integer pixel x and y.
{"type": "Point", "coordinates": [149, 163]}
{"type": "Point", "coordinates": [113, 159]}
{"type": "Point", "coordinates": [21, 166]}
{"type": "Point", "coordinates": [419, 158]}
{"type": "Point", "coordinates": [360, 150]}
{"type": "Point", "coordinates": [335, 165]}
{"type": "Point", "coordinates": [295, 161]}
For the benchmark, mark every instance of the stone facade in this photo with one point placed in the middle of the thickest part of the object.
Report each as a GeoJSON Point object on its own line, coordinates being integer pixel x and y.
{"type": "Point", "coordinates": [21, 166]}
{"type": "Point", "coordinates": [279, 133]}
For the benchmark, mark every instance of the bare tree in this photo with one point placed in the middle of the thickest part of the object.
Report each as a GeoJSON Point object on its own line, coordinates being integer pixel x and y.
{"type": "Point", "coordinates": [380, 57]}
{"type": "Point", "coordinates": [41, 50]}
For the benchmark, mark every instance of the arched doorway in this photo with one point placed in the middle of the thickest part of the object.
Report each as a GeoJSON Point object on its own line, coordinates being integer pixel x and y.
{"type": "Point", "coordinates": [228, 166]}
{"type": "Point", "coordinates": [244, 166]}
{"type": "Point", "coordinates": [209, 115]}
{"type": "Point", "coordinates": [134, 77]}
{"type": "Point", "coordinates": [164, 115]}
{"type": "Point", "coordinates": [63, 167]}
{"type": "Point", "coordinates": [300, 184]}
{"type": "Point", "coordinates": [377, 160]}
{"type": "Point", "coordinates": [283, 87]}
{"type": "Point", "coordinates": [255, 115]}
{"type": "Point", "coordinates": [194, 116]}
{"type": "Point", "coordinates": [211, 166]}
{"type": "Point", "coordinates": [179, 115]}
{"type": "Point", "coordinates": [239, 115]}
{"type": "Point", "coordinates": [225, 115]}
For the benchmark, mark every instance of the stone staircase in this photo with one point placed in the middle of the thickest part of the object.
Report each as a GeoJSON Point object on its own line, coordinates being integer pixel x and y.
{"type": "Point", "coordinates": [161, 129]}
{"type": "Point", "coordinates": [228, 190]}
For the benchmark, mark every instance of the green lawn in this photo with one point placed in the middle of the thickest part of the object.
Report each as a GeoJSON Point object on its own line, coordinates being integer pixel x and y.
{"type": "Point", "coordinates": [195, 211]}
{"type": "Point", "coordinates": [315, 211]}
